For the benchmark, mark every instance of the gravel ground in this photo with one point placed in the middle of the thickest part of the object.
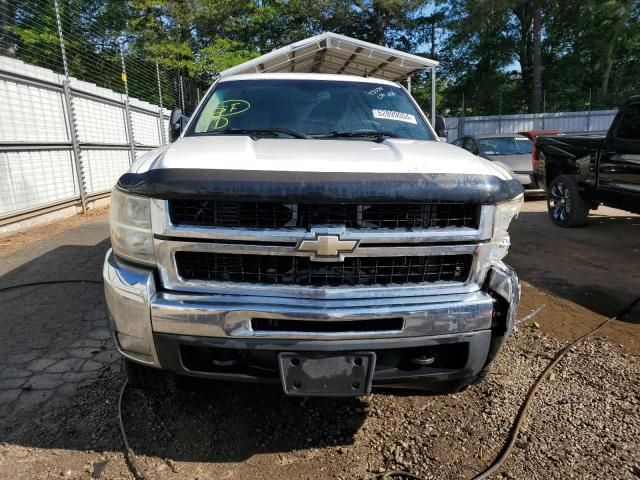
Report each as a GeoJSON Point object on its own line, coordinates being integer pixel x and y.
{"type": "Point", "coordinates": [584, 423]}
{"type": "Point", "coordinates": [58, 398]}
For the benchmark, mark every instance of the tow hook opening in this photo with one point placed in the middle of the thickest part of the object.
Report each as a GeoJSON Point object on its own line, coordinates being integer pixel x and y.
{"type": "Point", "coordinates": [210, 359]}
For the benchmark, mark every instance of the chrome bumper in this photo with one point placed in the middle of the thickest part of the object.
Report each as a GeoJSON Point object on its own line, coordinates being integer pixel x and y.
{"type": "Point", "coordinates": [138, 310]}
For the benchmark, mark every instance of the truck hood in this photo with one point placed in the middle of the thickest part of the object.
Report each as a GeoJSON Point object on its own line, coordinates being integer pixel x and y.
{"type": "Point", "coordinates": [304, 169]}
{"type": "Point", "coordinates": [240, 152]}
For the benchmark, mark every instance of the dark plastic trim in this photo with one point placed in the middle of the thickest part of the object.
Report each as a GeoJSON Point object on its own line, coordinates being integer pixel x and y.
{"type": "Point", "coordinates": [310, 187]}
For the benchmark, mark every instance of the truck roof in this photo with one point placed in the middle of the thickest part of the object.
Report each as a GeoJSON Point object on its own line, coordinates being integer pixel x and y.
{"type": "Point", "coordinates": [307, 76]}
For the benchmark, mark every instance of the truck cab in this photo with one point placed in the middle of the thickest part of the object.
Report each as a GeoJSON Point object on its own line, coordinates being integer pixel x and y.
{"type": "Point", "coordinates": [310, 230]}
{"type": "Point", "coordinates": [581, 172]}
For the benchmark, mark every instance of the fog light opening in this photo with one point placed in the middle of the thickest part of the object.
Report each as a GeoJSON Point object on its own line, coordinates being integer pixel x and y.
{"type": "Point", "coordinates": [424, 360]}
{"type": "Point", "coordinates": [224, 358]}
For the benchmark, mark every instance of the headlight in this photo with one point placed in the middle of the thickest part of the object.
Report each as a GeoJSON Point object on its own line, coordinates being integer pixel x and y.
{"type": "Point", "coordinates": [130, 221]}
{"type": "Point", "coordinates": [500, 241]}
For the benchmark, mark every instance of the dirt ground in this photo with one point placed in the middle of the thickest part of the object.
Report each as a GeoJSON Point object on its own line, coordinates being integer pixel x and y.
{"type": "Point", "coordinates": [595, 266]}
{"type": "Point", "coordinates": [60, 379]}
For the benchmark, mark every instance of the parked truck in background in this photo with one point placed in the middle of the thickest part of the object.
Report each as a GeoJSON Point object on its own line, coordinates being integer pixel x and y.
{"type": "Point", "coordinates": [310, 230]}
{"type": "Point", "coordinates": [581, 172]}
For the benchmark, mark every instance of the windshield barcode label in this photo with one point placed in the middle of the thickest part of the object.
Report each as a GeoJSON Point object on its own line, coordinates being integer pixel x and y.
{"type": "Point", "coordinates": [392, 115]}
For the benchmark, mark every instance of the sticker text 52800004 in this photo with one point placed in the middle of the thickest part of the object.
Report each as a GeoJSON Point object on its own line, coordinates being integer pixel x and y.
{"type": "Point", "coordinates": [393, 115]}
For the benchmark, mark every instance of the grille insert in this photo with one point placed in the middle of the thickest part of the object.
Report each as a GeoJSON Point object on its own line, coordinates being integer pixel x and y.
{"type": "Point", "coordinates": [324, 326]}
{"type": "Point", "coordinates": [213, 213]}
{"type": "Point", "coordinates": [282, 270]}
{"type": "Point", "coordinates": [229, 214]}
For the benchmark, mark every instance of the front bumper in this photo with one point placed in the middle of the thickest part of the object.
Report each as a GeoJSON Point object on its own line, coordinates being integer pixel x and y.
{"type": "Point", "coordinates": [187, 333]}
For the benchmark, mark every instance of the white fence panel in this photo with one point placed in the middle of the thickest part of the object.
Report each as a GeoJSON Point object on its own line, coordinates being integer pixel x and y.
{"type": "Point", "coordinates": [167, 129]}
{"type": "Point", "coordinates": [37, 160]}
{"type": "Point", "coordinates": [146, 129]}
{"type": "Point", "coordinates": [141, 151]}
{"type": "Point", "coordinates": [100, 122]}
{"type": "Point", "coordinates": [104, 167]}
{"type": "Point", "coordinates": [32, 114]}
{"type": "Point", "coordinates": [37, 177]}
{"type": "Point", "coordinates": [568, 122]}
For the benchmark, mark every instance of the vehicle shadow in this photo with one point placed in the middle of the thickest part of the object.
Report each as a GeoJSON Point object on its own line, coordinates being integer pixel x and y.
{"type": "Point", "coordinates": [54, 338]}
{"type": "Point", "coordinates": [230, 422]}
{"type": "Point", "coordinates": [60, 378]}
{"type": "Point", "coordinates": [595, 266]}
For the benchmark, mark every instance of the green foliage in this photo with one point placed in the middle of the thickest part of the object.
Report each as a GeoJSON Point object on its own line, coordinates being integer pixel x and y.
{"type": "Point", "coordinates": [220, 55]}
{"type": "Point", "coordinates": [487, 48]}
{"type": "Point", "coordinates": [593, 46]}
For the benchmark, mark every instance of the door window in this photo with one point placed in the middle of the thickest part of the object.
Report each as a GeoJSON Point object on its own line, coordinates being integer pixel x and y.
{"type": "Point", "coordinates": [629, 128]}
{"type": "Point", "coordinates": [470, 145]}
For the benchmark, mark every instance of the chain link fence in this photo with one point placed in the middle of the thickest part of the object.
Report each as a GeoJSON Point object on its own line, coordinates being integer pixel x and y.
{"type": "Point", "coordinates": [98, 47]}
{"type": "Point", "coordinates": [454, 104]}
{"type": "Point", "coordinates": [80, 105]}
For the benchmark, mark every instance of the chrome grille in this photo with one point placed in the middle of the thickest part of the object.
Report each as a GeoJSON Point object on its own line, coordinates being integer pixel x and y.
{"type": "Point", "coordinates": [213, 213]}
{"type": "Point", "coordinates": [292, 270]}
{"type": "Point", "coordinates": [205, 256]}
{"type": "Point", "coordinates": [422, 215]}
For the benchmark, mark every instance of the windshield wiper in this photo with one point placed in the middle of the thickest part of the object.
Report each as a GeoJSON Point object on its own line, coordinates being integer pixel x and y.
{"type": "Point", "coordinates": [378, 136]}
{"type": "Point", "coordinates": [258, 132]}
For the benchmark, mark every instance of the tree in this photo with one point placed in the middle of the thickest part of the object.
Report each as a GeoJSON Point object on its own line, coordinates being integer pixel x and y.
{"type": "Point", "coordinates": [7, 19]}
{"type": "Point", "coordinates": [501, 55]}
{"type": "Point", "coordinates": [528, 36]}
{"type": "Point", "coordinates": [592, 45]}
{"type": "Point", "coordinates": [476, 53]}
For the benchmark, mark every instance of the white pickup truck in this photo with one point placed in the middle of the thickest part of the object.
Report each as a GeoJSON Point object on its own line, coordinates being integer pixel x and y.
{"type": "Point", "coordinates": [310, 230]}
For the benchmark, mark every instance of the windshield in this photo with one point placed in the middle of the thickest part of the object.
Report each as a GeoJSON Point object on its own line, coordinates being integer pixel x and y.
{"type": "Point", "coordinates": [505, 145]}
{"type": "Point", "coordinates": [310, 108]}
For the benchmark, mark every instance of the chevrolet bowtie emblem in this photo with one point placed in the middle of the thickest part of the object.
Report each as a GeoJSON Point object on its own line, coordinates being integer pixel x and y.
{"type": "Point", "coordinates": [327, 246]}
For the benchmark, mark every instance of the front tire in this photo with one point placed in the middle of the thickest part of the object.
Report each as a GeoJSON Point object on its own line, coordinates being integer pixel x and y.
{"type": "Point", "coordinates": [565, 205]}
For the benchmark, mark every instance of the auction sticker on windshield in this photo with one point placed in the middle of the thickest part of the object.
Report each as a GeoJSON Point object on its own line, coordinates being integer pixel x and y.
{"type": "Point", "coordinates": [393, 115]}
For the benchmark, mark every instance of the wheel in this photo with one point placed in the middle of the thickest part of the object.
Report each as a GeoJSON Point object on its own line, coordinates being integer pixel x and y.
{"type": "Point", "coordinates": [148, 378]}
{"type": "Point", "coordinates": [565, 205]}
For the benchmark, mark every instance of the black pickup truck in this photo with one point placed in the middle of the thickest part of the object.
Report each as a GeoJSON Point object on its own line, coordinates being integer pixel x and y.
{"type": "Point", "coordinates": [581, 172]}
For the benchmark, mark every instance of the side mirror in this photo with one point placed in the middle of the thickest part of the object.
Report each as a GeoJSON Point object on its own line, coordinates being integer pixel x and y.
{"type": "Point", "coordinates": [175, 124]}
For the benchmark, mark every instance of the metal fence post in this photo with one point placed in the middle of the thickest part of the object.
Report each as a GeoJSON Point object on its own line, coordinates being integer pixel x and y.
{"type": "Point", "coordinates": [544, 107]}
{"type": "Point", "coordinates": [500, 115]}
{"type": "Point", "coordinates": [75, 143]}
{"type": "Point", "coordinates": [161, 109]}
{"type": "Point", "coordinates": [182, 94]}
{"type": "Point", "coordinates": [127, 111]}
{"type": "Point", "coordinates": [433, 96]}
{"type": "Point", "coordinates": [589, 112]}
{"type": "Point", "coordinates": [461, 120]}
{"type": "Point", "coordinates": [71, 116]}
